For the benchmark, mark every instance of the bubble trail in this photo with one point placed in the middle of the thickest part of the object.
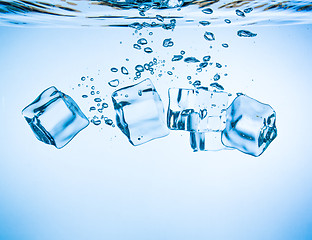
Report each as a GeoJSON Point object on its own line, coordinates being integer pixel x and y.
{"type": "Point", "coordinates": [228, 21]}
{"type": "Point", "coordinates": [209, 36]}
{"type": "Point", "coordinates": [218, 65]}
{"type": "Point", "coordinates": [225, 45]}
{"type": "Point", "coordinates": [114, 69]}
{"type": "Point", "coordinates": [245, 33]}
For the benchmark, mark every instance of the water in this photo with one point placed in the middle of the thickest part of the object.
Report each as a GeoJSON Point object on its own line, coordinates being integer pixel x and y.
{"type": "Point", "coordinates": [99, 185]}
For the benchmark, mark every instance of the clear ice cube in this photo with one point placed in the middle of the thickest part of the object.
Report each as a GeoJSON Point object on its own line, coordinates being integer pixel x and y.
{"type": "Point", "coordinates": [250, 126]}
{"type": "Point", "coordinates": [54, 117]}
{"type": "Point", "coordinates": [140, 113]}
{"type": "Point", "coordinates": [196, 110]}
{"type": "Point", "coordinates": [206, 141]}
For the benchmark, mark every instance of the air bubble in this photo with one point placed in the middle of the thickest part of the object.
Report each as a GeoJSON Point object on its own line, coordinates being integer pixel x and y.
{"type": "Point", "coordinates": [136, 46]}
{"type": "Point", "coordinates": [148, 50]}
{"type": "Point", "coordinates": [142, 41]}
{"type": "Point", "coordinates": [245, 33]}
{"type": "Point", "coordinates": [209, 36]}
{"type": "Point", "coordinates": [124, 71]}
{"type": "Point", "coordinates": [204, 23]}
{"type": "Point", "coordinates": [207, 11]}
{"type": "Point", "coordinates": [168, 43]}
{"type": "Point", "coordinates": [240, 13]}
{"type": "Point", "coordinates": [113, 83]}
{"type": "Point", "coordinates": [206, 58]}
{"type": "Point", "coordinates": [191, 60]}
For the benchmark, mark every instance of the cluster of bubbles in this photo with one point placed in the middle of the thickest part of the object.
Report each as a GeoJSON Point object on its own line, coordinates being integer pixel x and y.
{"type": "Point", "coordinates": [149, 67]}
{"type": "Point", "coordinates": [99, 104]}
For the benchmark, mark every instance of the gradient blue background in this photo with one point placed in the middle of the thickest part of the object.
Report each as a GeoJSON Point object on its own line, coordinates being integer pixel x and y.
{"type": "Point", "coordinates": [101, 187]}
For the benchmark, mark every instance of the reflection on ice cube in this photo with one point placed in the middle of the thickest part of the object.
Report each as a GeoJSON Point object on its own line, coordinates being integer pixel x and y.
{"type": "Point", "coordinates": [140, 112]}
{"type": "Point", "coordinates": [197, 110]}
{"type": "Point", "coordinates": [250, 126]}
{"type": "Point", "coordinates": [54, 117]}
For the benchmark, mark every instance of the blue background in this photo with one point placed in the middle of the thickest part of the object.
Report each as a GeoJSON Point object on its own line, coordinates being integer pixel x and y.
{"type": "Point", "coordinates": [101, 187]}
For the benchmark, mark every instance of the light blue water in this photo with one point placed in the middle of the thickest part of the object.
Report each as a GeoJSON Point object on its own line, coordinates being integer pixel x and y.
{"type": "Point", "coordinates": [99, 186]}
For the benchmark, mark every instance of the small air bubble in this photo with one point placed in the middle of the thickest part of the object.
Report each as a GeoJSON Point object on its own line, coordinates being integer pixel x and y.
{"type": "Point", "coordinates": [113, 83]}
{"type": "Point", "coordinates": [216, 77]}
{"type": "Point", "coordinates": [206, 58]}
{"type": "Point", "coordinates": [124, 71]}
{"type": "Point", "coordinates": [209, 36]}
{"type": "Point", "coordinates": [142, 41]}
{"type": "Point", "coordinates": [240, 13]}
{"type": "Point", "coordinates": [148, 50]}
{"type": "Point", "coordinates": [207, 11]}
{"type": "Point", "coordinates": [136, 46]}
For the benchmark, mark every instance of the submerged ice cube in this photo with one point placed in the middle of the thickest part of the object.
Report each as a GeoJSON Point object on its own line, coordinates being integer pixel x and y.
{"type": "Point", "coordinates": [140, 112]}
{"type": "Point", "coordinates": [206, 141]}
{"type": "Point", "coordinates": [54, 117]}
{"type": "Point", "coordinates": [250, 126]}
{"type": "Point", "coordinates": [196, 110]}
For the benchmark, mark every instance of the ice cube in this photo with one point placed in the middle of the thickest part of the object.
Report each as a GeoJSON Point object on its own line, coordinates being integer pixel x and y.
{"type": "Point", "coordinates": [250, 126]}
{"type": "Point", "coordinates": [206, 141]}
{"type": "Point", "coordinates": [54, 117]}
{"type": "Point", "coordinates": [196, 110]}
{"type": "Point", "coordinates": [140, 113]}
